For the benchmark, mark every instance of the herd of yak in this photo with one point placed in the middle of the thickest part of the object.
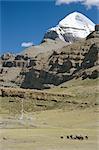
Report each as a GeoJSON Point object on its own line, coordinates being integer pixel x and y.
{"type": "Point", "coordinates": [76, 137]}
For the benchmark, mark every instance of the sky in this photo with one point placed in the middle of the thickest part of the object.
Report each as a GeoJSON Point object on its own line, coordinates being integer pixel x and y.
{"type": "Point", "coordinates": [24, 22]}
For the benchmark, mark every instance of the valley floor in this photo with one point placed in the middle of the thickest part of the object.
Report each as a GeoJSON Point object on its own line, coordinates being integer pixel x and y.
{"type": "Point", "coordinates": [43, 130]}
{"type": "Point", "coordinates": [48, 129]}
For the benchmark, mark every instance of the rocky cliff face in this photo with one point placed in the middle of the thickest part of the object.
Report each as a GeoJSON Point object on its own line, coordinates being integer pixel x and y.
{"type": "Point", "coordinates": [48, 69]}
{"type": "Point", "coordinates": [72, 61]}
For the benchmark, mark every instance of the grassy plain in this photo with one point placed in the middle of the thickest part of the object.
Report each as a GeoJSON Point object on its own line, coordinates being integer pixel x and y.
{"type": "Point", "coordinates": [42, 130]}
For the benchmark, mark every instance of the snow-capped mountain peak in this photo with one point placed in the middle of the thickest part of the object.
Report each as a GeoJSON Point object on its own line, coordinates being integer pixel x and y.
{"type": "Point", "coordinates": [72, 27]}
{"type": "Point", "coordinates": [77, 20]}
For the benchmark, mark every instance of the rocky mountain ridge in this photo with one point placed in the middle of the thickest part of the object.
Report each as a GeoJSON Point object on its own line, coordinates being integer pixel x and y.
{"type": "Point", "coordinates": [49, 69]}
{"type": "Point", "coordinates": [73, 61]}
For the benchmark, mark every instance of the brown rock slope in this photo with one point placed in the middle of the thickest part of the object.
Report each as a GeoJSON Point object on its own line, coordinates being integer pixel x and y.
{"type": "Point", "coordinates": [51, 67]}
{"type": "Point", "coordinates": [72, 61]}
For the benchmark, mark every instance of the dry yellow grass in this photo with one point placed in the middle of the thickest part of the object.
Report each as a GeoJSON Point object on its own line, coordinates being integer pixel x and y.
{"type": "Point", "coordinates": [41, 130]}
{"type": "Point", "coordinates": [49, 126]}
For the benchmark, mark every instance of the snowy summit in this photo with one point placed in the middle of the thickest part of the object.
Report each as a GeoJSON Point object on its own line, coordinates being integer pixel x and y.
{"type": "Point", "coordinates": [71, 28]}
